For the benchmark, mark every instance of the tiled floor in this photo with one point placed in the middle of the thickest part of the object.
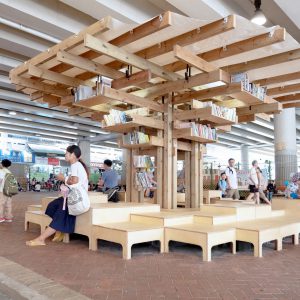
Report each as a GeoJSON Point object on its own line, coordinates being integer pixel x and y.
{"type": "Point", "coordinates": [180, 274]}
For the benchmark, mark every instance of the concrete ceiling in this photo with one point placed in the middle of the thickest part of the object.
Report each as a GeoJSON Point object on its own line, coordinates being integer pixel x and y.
{"type": "Point", "coordinates": [28, 27]}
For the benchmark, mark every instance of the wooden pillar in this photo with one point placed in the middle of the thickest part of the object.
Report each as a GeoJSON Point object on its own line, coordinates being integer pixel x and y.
{"type": "Point", "coordinates": [134, 191]}
{"type": "Point", "coordinates": [159, 171]}
{"type": "Point", "coordinates": [201, 147]}
{"type": "Point", "coordinates": [187, 178]}
{"type": "Point", "coordinates": [129, 167]}
{"type": "Point", "coordinates": [174, 175]}
{"type": "Point", "coordinates": [195, 175]}
{"type": "Point", "coordinates": [167, 175]}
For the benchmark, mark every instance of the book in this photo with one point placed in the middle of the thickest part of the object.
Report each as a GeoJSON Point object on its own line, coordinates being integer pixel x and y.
{"type": "Point", "coordinates": [116, 117]}
{"type": "Point", "coordinates": [135, 137]}
{"type": "Point", "coordinates": [143, 161]}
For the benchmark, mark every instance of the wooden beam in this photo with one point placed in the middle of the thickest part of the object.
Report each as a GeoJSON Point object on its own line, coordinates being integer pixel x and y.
{"type": "Point", "coordinates": [287, 98]}
{"type": "Point", "coordinates": [191, 114]}
{"type": "Point", "coordinates": [88, 65]}
{"type": "Point", "coordinates": [183, 146]}
{"type": "Point", "coordinates": [58, 78]}
{"type": "Point", "coordinates": [110, 50]}
{"type": "Point", "coordinates": [110, 94]}
{"type": "Point", "coordinates": [264, 116]}
{"type": "Point", "coordinates": [292, 88]}
{"type": "Point", "coordinates": [73, 111]}
{"type": "Point", "coordinates": [208, 93]}
{"type": "Point", "coordinates": [193, 36]}
{"type": "Point", "coordinates": [243, 46]}
{"type": "Point", "coordinates": [289, 105]}
{"type": "Point", "coordinates": [132, 80]}
{"type": "Point", "coordinates": [192, 59]}
{"type": "Point", "coordinates": [261, 108]}
{"type": "Point", "coordinates": [67, 44]}
{"type": "Point", "coordinates": [278, 79]}
{"type": "Point", "coordinates": [182, 84]}
{"type": "Point", "coordinates": [98, 116]}
{"type": "Point", "coordinates": [247, 118]}
{"type": "Point", "coordinates": [271, 60]}
{"type": "Point", "coordinates": [40, 86]}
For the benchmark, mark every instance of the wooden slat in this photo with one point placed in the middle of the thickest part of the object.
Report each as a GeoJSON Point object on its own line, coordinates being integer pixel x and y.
{"type": "Point", "coordinates": [110, 50]}
{"type": "Point", "coordinates": [193, 36]}
{"type": "Point", "coordinates": [243, 46]}
{"type": "Point", "coordinates": [264, 116]}
{"type": "Point", "coordinates": [100, 26]}
{"type": "Point", "coordinates": [278, 79]}
{"type": "Point", "coordinates": [58, 78]}
{"type": "Point", "coordinates": [182, 84]}
{"type": "Point", "coordinates": [247, 118]}
{"type": "Point", "coordinates": [132, 80]}
{"type": "Point", "coordinates": [271, 60]}
{"type": "Point", "coordinates": [192, 59]}
{"type": "Point", "coordinates": [52, 101]}
{"type": "Point", "coordinates": [88, 65]}
{"type": "Point", "coordinates": [73, 111]}
{"type": "Point", "coordinates": [183, 146]}
{"type": "Point", "coordinates": [284, 89]}
{"type": "Point", "coordinates": [261, 108]}
{"type": "Point", "coordinates": [287, 98]}
{"type": "Point", "coordinates": [39, 86]}
{"type": "Point", "coordinates": [110, 94]}
{"type": "Point", "coordinates": [290, 105]}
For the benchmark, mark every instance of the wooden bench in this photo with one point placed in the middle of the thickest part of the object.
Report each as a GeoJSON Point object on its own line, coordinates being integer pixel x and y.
{"type": "Point", "coordinates": [266, 230]}
{"type": "Point", "coordinates": [37, 217]}
{"type": "Point", "coordinates": [208, 194]}
{"type": "Point", "coordinates": [205, 236]}
{"type": "Point", "coordinates": [34, 207]}
{"type": "Point", "coordinates": [127, 234]}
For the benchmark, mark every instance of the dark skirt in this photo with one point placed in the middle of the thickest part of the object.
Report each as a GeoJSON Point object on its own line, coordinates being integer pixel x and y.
{"type": "Point", "coordinates": [61, 220]}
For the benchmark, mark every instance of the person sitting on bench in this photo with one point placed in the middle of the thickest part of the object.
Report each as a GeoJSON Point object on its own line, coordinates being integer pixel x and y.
{"type": "Point", "coordinates": [109, 181]}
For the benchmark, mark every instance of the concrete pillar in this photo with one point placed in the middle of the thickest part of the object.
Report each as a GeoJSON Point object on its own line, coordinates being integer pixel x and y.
{"type": "Point", "coordinates": [245, 158]}
{"type": "Point", "coordinates": [85, 147]}
{"type": "Point", "coordinates": [285, 145]}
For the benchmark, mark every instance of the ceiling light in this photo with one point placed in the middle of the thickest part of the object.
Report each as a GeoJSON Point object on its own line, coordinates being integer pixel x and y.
{"type": "Point", "coordinates": [109, 142]}
{"type": "Point", "coordinates": [12, 113]}
{"type": "Point", "coordinates": [27, 119]}
{"type": "Point", "coordinates": [259, 18]}
{"type": "Point", "coordinates": [37, 135]}
{"type": "Point", "coordinates": [92, 136]}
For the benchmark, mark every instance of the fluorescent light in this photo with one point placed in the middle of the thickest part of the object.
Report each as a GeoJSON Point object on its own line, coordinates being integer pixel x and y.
{"type": "Point", "coordinates": [12, 113]}
{"type": "Point", "coordinates": [27, 119]}
{"type": "Point", "coordinates": [92, 136]}
{"type": "Point", "coordinates": [109, 142]}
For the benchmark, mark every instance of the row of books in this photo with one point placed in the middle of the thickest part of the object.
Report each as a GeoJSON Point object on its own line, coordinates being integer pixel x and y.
{"type": "Point", "coordinates": [135, 137]}
{"type": "Point", "coordinates": [142, 179]}
{"type": "Point", "coordinates": [221, 111]}
{"type": "Point", "coordinates": [116, 117]}
{"type": "Point", "coordinates": [143, 161]}
{"type": "Point", "coordinates": [204, 131]}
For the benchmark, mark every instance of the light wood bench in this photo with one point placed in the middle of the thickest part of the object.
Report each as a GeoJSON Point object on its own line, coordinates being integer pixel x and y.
{"type": "Point", "coordinates": [34, 207]}
{"type": "Point", "coordinates": [266, 230]}
{"type": "Point", "coordinates": [205, 236]}
{"type": "Point", "coordinates": [208, 194]}
{"type": "Point", "coordinates": [127, 234]}
{"type": "Point", "coordinates": [37, 217]}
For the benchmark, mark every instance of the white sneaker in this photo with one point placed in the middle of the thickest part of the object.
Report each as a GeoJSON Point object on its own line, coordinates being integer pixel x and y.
{"type": "Point", "coordinates": [8, 220]}
{"type": "Point", "coordinates": [2, 220]}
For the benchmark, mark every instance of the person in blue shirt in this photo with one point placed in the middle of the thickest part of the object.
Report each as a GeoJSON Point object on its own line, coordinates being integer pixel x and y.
{"type": "Point", "coordinates": [222, 184]}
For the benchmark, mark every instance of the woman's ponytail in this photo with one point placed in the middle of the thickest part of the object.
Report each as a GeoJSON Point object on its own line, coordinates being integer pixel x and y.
{"type": "Point", "coordinates": [85, 167]}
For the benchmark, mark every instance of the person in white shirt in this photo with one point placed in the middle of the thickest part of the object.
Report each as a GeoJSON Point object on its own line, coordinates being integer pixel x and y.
{"type": "Point", "coordinates": [5, 202]}
{"type": "Point", "coordinates": [232, 182]}
{"type": "Point", "coordinates": [62, 222]}
{"type": "Point", "coordinates": [254, 183]}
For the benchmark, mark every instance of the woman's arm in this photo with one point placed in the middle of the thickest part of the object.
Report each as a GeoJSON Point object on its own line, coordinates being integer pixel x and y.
{"type": "Point", "coordinates": [72, 180]}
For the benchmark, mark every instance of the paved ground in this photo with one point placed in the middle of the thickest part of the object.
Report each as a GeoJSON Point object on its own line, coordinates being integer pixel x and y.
{"type": "Point", "coordinates": [149, 275]}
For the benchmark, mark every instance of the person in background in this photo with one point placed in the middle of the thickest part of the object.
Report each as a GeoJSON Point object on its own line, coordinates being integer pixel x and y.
{"type": "Point", "coordinates": [262, 186]}
{"type": "Point", "coordinates": [37, 187]}
{"type": "Point", "coordinates": [271, 189]}
{"type": "Point", "coordinates": [32, 184]}
{"type": "Point", "coordinates": [222, 184]}
{"type": "Point", "coordinates": [254, 183]}
{"type": "Point", "coordinates": [232, 182]}
{"type": "Point", "coordinates": [62, 222]}
{"type": "Point", "coordinates": [5, 202]}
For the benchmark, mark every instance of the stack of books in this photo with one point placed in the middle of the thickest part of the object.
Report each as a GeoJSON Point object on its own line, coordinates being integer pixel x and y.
{"type": "Point", "coordinates": [142, 179]}
{"type": "Point", "coordinates": [222, 112]}
{"type": "Point", "coordinates": [143, 161]}
{"type": "Point", "coordinates": [135, 137]}
{"type": "Point", "coordinates": [116, 117]}
{"type": "Point", "coordinates": [203, 131]}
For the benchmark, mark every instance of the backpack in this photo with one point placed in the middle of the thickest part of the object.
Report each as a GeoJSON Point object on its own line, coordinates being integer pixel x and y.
{"type": "Point", "coordinates": [10, 187]}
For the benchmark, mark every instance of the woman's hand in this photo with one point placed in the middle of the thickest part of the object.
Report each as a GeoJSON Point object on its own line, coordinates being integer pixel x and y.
{"type": "Point", "coordinates": [60, 177]}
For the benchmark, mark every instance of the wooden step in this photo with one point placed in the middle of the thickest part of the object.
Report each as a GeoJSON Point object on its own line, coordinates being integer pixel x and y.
{"type": "Point", "coordinates": [213, 219]}
{"type": "Point", "coordinates": [34, 207]}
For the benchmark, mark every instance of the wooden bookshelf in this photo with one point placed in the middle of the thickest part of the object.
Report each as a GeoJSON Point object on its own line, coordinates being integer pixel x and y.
{"type": "Point", "coordinates": [204, 114]}
{"type": "Point", "coordinates": [187, 134]}
{"type": "Point", "coordinates": [246, 97]}
{"type": "Point", "coordinates": [137, 121]}
{"type": "Point", "coordinates": [154, 142]}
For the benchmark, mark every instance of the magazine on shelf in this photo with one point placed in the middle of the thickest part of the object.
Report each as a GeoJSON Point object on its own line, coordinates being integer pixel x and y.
{"type": "Point", "coordinates": [143, 180]}
{"type": "Point", "coordinates": [135, 137]}
{"type": "Point", "coordinates": [142, 161]}
{"type": "Point", "coordinates": [221, 111]}
{"type": "Point", "coordinates": [116, 117]}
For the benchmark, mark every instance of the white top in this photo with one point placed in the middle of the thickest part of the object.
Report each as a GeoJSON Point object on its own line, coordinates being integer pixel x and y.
{"type": "Point", "coordinates": [231, 174]}
{"type": "Point", "coordinates": [253, 176]}
{"type": "Point", "coordinates": [78, 170]}
{"type": "Point", "coordinates": [3, 172]}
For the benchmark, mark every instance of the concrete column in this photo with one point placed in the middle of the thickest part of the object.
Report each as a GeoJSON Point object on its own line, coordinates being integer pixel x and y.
{"type": "Point", "coordinates": [85, 152]}
{"type": "Point", "coordinates": [285, 145]}
{"type": "Point", "coordinates": [245, 157]}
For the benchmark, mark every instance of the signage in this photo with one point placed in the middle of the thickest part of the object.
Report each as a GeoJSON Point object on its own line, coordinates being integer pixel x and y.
{"type": "Point", "coordinates": [41, 160]}
{"type": "Point", "coordinates": [53, 161]}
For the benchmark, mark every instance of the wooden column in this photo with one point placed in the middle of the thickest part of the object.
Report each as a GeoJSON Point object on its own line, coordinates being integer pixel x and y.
{"type": "Point", "coordinates": [168, 148]}
{"type": "Point", "coordinates": [187, 178]}
{"type": "Point", "coordinates": [129, 168]}
{"type": "Point", "coordinates": [134, 191]}
{"type": "Point", "coordinates": [159, 171]}
{"type": "Point", "coordinates": [200, 180]}
{"type": "Point", "coordinates": [195, 175]}
{"type": "Point", "coordinates": [174, 175]}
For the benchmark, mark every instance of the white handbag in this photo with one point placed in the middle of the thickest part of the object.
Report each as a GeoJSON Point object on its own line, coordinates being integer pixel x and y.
{"type": "Point", "coordinates": [78, 199]}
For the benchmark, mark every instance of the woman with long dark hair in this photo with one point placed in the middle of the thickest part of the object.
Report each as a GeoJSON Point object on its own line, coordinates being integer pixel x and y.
{"type": "Point", "coordinates": [62, 221]}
